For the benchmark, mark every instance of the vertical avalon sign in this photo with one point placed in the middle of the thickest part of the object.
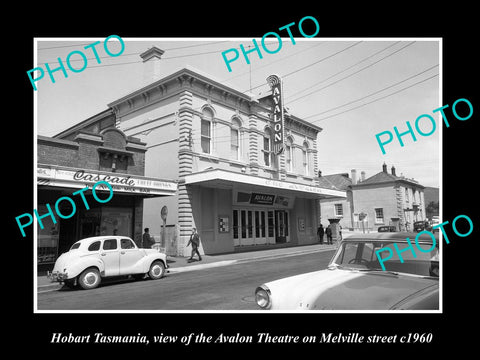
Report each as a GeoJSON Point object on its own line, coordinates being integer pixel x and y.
{"type": "Point", "coordinates": [276, 84]}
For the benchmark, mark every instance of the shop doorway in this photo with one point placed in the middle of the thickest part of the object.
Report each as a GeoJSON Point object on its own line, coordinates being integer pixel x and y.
{"type": "Point", "coordinates": [281, 226]}
{"type": "Point", "coordinates": [257, 227]}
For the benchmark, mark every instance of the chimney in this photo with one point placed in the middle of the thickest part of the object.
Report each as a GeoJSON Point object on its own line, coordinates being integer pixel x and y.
{"type": "Point", "coordinates": [362, 175]}
{"type": "Point", "coordinates": [354, 177]}
{"type": "Point", "coordinates": [384, 168]}
{"type": "Point", "coordinates": [151, 58]}
{"type": "Point", "coordinates": [393, 171]}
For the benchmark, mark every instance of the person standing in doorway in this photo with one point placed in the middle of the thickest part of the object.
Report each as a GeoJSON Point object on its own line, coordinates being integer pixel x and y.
{"type": "Point", "coordinates": [320, 233]}
{"type": "Point", "coordinates": [195, 241]}
{"type": "Point", "coordinates": [328, 231]}
{"type": "Point", "coordinates": [147, 240]}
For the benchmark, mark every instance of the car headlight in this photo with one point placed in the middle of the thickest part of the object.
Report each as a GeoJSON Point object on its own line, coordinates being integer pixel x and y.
{"type": "Point", "coordinates": [262, 297]}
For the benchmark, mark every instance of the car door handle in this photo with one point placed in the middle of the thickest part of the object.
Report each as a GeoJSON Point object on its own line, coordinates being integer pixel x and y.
{"type": "Point", "coordinates": [103, 254]}
{"type": "Point", "coordinates": [122, 252]}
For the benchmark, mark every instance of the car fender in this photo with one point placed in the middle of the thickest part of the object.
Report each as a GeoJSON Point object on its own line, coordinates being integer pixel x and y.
{"type": "Point", "coordinates": [77, 267]}
{"type": "Point", "coordinates": [145, 262]}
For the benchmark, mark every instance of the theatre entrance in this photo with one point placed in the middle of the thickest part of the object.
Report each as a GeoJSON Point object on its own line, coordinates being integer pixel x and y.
{"type": "Point", "coordinates": [260, 226]}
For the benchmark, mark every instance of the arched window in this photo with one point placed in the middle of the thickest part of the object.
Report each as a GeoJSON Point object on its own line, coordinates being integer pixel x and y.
{"type": "Point", "coordinates": [206, 130]}
{"type": "Point", "coordinates": [235, 138]}
{"type": "Point", "coordinates": [306, 159]}
{"type": "Point", "coordinates": [268, 147]}
{"type": "Point", "coordinates": [289, 154]}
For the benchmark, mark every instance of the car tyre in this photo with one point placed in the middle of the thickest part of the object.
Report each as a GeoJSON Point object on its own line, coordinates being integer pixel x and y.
{"type": "Point", "coordinates": [157, 270]}
{"type": "Point", "coordinates": [89, 279]}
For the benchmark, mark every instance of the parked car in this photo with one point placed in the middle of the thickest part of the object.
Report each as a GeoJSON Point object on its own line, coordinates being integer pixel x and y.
{"type": "Point", "coordinates": [90, 260]}
{"type": "Point", "coordinates": [387, 229]}
{"type": "Point", "coordinates": [354, 279]}
{"type": "Point", "coordinates": [421, 225]}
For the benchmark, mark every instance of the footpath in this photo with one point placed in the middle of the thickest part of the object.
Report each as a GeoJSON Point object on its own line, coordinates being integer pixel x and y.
{"type": "Point", "coordinates": [181, 264]}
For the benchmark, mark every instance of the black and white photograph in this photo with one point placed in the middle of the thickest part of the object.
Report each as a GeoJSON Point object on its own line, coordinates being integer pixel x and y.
{"type": "Point", "coordinates": [290, 181]}
{"type": "Point", "coordinates": [189, 131]}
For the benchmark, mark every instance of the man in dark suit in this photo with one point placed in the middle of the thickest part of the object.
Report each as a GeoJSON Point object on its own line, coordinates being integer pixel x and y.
{"type": "Point", "coordinates": [195, 241]}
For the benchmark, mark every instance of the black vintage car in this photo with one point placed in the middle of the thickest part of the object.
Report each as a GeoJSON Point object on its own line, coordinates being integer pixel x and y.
{"type": "Point", "coordinates": [387, 229]}
{"type": "Point", "coordinates": [421, 225]}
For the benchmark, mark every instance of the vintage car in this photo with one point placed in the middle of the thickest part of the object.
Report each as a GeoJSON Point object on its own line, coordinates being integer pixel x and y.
{"type": "Point", "coordinates": [91, 259]}
{"type": "Point", "coordinates": [387, 228]}
{"type": "Point", "coordinates": [354, 279]}
{"type": "Point", "coordinates": [421, 226]}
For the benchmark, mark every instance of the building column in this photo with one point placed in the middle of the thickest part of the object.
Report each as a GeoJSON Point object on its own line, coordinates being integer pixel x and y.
{"type": "Point", "coordinates": [253, 149]}
{"type": "Point", "coordinates": [400, 213]}
{"type": "Point", "coordinates": [185, 166]}
{"type": "Point", "coordinates": [315, 161]}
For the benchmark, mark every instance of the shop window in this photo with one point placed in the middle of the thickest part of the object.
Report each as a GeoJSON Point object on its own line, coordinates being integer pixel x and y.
{"type": "Point", "coordinates": [243, 219]}
{"type": "Point", "coordinates": [235, 224]}
{"type": "Point", "coordinates": [48, 238]}
{"type": "Point", "coordinates": [206, 130]}
{"type": "Point", "coordinates": [271, 224]}
{"type": "Point", "coordinates": [263, 223]}
{"type": "Point", "coordinates": [285, 221]}
{"type": "Point", "coordinates": [379, 215]}
{"type": "Point", "coordinates": [110, 244]}
{"type": "Point", "coordinates": [95, 246]}
{"type": "Point", "coordinates": [116, 221]}
{"type": "Point", "coordinates": [250, 228]}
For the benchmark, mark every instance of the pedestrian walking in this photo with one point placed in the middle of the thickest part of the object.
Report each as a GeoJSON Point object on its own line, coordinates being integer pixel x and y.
{"type": "Point", "coordinates": [340, 231]}
{"type": "Point", "coordinates": [195, 241]}
{"type": "Point", "coordinates": [320, 233]}
{"type": "Point", "coordinates": [328, 231]}
{"type": "Point", "coordinates": [147, 240]}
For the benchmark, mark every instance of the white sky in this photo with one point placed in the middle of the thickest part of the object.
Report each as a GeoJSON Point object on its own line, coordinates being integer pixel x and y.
{"type": "Point", "coordinates": [312, 87]}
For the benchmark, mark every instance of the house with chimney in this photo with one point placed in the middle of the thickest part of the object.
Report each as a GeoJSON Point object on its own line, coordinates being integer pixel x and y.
{"type": "Point", "coordinates": [380, 200]}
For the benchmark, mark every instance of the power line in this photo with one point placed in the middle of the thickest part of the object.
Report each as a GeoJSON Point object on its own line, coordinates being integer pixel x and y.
{"type": "Point", "coordinates": [381, 98]}
{"type": "Point", "coordinates": [354, 73]}
{"type": "Point", "coordinates": [138, 54]}
{"type": "Point", "coordinates": [376, 92]}
{"type": "Point", "coordinates": [337, 73]}
{"type": "Point", "coordinates": [169, 49]}
{"type": "Point", "coordinates": [227, 138]}
{"type": "Point", "coordinates": [197, 131]}
{"type": "Point", "coordinates": [314, 63]}
{"type": "Point", "coordinates": [281, 59]}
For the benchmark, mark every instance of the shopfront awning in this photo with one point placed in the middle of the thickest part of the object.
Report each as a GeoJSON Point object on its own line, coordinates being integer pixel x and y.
{"type": "Point", "coordinates": [74, 178]}
{"type": "Point", "coordinates": [231, 180]}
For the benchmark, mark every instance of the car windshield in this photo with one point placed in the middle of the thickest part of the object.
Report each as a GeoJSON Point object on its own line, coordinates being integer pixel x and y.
{"type": "Point", "coordinates": [362, 256]}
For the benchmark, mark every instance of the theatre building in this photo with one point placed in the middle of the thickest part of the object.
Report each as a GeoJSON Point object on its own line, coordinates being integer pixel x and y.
{"type": "Point", "coordinates": [68, 163]}
{"type": "Point", "coordinates": [220, 144]}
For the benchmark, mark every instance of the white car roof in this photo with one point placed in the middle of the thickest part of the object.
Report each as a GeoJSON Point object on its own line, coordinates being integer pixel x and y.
{"type": "Point", "coordinates": [100, 238]}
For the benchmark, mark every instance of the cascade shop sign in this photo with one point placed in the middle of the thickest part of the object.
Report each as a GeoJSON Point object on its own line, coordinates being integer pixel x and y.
{"type": "Point", "coordinates": [278, 124]}
{"type": "Point", "coordinates": [77, 178]}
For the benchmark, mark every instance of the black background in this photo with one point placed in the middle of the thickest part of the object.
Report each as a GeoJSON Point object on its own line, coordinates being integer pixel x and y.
{"type": "Point", "coordinates": [455, 23]}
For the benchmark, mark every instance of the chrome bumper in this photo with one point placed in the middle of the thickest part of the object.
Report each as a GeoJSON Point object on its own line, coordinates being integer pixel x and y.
{"type": "Point", "coordinates": [57, 276]}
